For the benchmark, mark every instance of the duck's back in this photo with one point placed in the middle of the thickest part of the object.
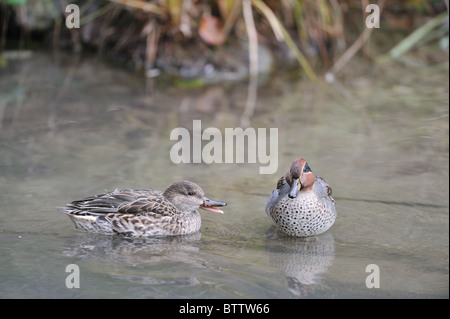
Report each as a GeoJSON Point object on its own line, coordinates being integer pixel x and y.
{"type": "Point", "coordinates": [109, 202]}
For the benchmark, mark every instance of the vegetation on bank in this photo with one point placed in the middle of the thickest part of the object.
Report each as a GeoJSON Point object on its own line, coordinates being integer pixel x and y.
{"type": "Point", "coordinates": [174, 35]}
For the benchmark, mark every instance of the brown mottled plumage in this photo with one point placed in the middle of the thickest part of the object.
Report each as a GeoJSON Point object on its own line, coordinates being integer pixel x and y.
{"type": "Point", "coordinates": [143, 212]}
{"type": "Point", "coordinates": [301, 205]}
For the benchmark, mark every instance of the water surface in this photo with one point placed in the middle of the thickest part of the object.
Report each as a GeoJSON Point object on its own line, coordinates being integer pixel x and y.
{"type": "Point", "coordinates": [72, 128]}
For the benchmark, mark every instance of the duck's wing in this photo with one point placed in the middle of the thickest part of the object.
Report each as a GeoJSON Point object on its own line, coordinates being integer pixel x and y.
{"type": "Point", "coordinates": [153, 205]}
{"type": "Point", "coordinates": [109, 202]}
{"type": "Point", "coordinates": [276, 194]}
{"type": "Point", "coordinates": [152, 214]}
{"type": "Point", "coordinates": [324, 189]}
{"type": "Point", "coordinates": [281, 183]}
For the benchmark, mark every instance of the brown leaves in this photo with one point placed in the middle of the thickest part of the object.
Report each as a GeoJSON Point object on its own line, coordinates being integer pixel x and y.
{"type": "Point", "coordinates": [211, 30]}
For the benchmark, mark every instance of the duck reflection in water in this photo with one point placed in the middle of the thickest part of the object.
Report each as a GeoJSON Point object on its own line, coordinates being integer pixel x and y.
{"type": "Point", "coordinates": [303, 259]}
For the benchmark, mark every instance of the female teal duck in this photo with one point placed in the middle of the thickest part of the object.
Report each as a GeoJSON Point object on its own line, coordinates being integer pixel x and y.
{"type": "Point", "coordinates": [301, 205]}
{"type": "Point", "coordinates": [143, 212]}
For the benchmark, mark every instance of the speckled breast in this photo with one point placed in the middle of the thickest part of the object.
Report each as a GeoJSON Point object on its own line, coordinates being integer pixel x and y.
{"type": "Point", "coordinates": [305, 215]}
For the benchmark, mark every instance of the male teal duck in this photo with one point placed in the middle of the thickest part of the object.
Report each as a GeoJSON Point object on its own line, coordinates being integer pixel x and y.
{"type": "Point", "coordinates": [301, 204]}
{"type": "Point", "coordinates": [143, 212]}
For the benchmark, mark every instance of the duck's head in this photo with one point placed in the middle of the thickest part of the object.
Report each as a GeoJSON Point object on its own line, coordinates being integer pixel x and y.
{"type": "Point", "coordinates": [187, 197]}
{"type": "Point", "coordinates": [300, 177]}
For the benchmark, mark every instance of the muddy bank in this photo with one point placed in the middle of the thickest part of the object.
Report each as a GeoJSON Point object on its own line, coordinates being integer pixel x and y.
{"type": "Point", "coordinates": [214, 41]}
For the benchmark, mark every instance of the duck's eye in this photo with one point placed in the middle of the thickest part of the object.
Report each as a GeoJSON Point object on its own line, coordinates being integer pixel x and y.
{"type": "Point", "coordinates": [306, 169]}
{"type": "Point", "coordinates": [191, 193]}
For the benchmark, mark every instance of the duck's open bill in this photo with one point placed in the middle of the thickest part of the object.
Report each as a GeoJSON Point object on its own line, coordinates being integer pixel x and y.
{"type": "Point", "coordinates": [209, 205]}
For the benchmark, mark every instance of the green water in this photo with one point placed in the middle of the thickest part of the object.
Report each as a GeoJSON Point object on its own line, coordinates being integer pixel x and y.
{"type": "Point", "coordinates": [69, 129]}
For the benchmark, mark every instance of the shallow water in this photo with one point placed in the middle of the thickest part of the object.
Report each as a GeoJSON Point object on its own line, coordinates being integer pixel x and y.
{"type": "Point", "coordinates": [69, 129]}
